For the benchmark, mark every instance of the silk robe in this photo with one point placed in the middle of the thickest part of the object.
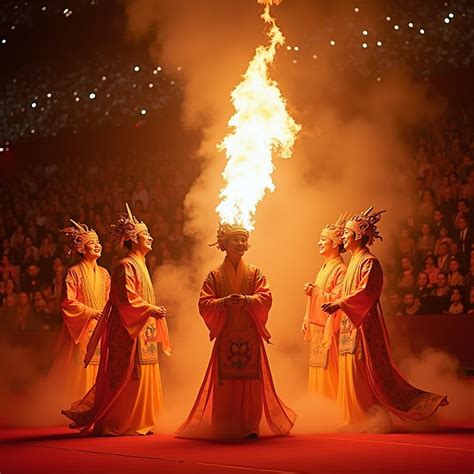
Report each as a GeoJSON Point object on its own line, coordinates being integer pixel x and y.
{"type": "Point", "coordinates": [322, 329]}
{"type": "Point", "coordinates": [84, 294]}
{"type": "Point", "coordinates": [367, 374]}
{"type": "Point", "coordinates": [127, 397]}
{"type": "Point", "coordinates": [238, 387]}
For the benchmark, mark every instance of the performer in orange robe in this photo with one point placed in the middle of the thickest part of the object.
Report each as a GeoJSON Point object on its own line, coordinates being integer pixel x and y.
{"type": "Point", "coordinates": [367, 376]}
{"type": "Point", "coordinates": [319, 328]}
{"type": "Point", "coordinates": [238, 388]}
{"type": "Point", "coordinates": [127, 397]}
{"type": "Point", "coordinates": [84, 294]}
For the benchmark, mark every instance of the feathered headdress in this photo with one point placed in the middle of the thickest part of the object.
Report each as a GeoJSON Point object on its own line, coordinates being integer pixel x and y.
{"type": "Point", "coordinates": [334, 232]}
{"type": "Point", "coordinates": [127, 227]}
{"type": "Point", "coordinates": [78, 236]}
{"type": "Point", "coordinates": [365, 224]}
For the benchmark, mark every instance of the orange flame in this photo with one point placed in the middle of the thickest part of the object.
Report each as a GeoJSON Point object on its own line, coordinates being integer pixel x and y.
{"type": "Point", "coordinates": [261, 126]}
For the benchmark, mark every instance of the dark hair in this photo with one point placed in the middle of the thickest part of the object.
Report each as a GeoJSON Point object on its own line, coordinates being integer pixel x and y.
{"type": "Point", "coordinates": [365, 240]}
{"type": "Point", "coordinates": [127, 244]}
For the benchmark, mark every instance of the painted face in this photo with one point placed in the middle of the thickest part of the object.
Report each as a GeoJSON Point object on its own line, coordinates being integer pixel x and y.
{"type": "Point", "coordinates": [348, 239]}
{"type": "Point", "coordinates": [324, 245]}
{"type": "Point", "coordinates": [236, 245]}
{"type": "Point", "coordinates": [93, 249]}
{"type": "Point", "coordinates": [145, 240]}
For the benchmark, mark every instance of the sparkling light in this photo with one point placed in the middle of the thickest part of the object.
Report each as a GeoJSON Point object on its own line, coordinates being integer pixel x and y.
{"type": "Point", "coordinates": [387, 18]}
{"type": "Point", "coordinates": [365, 45]}
{"type": "Point", "coordinates": [446, 20]}
{"type": "Point", "coordinates": [365, 32]}
{"type": "Point", "coordinates": [92, 96]}
{"type": "Point", "coordinates": [143, 111]}
{"type": "Point", "coordinates": [451, 15]}
{"type": "Point", "coordinates": [356, 10]}
{"type": "Point", "coordinates": [379, 43]}
{"type": "Point", "coordinates": [410, 24]}
{"type": "Point", "coordinates": [332, 43]}
{"type": "Point", "coordinates": [136, 68]}
{"type": "Point", "coordinates": [422, 31]}
{"type": "Point", "coordinates": [296, 48]}
{"type": "Point", "coordinates": [33, 105]}
{"type": "Point", "coordinates": [396, 27]}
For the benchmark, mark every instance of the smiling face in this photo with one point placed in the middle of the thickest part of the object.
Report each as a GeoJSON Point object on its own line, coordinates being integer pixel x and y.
{"type": "Point", "coordinates": [348, 239]}
{"type": "Point", "coordinates": [236, 245]}
{"type": "Point", "coordinates": [145, 241]}
{"type": "Point", "coordinates": [92, 249]}
{"type": "Point", "coordinates": [325, 246]}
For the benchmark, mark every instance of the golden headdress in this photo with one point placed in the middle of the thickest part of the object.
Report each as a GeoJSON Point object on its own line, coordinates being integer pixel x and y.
{"type": "Point", "coordinates": [334, 232]}
{"type": "Point", "coordinates": [225, 231]}
{"type": "Point", "coordinates": [127, 227]}
{"type": "Point", "coordinates": [78, 236]}
{"type": "Point", "coordinates": [365, 225]}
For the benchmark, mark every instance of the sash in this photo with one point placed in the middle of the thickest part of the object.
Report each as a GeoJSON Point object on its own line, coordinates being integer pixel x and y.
{"type": "Point", "coordinates": [238, 345]}
{"type": "Point", "coordinates": [318, 356]}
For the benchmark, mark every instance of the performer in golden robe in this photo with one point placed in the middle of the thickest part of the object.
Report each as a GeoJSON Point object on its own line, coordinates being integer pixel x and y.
{"type": "Point", "coordinates": [84, 294]}
{"type": "Point", "coordinates": [127, 397]}
{"type": "Point", "coordinates": [319, 328]}
{"type": "Point", "coordinates": [367, 376]}
{"type": "Point", "coordinates": [238, 390]}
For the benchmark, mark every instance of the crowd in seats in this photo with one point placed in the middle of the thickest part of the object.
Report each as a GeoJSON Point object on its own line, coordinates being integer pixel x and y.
{"type": "Point", "coordinates": [435, 271]}
{"type": "Point", "coordinates": [37, 203]}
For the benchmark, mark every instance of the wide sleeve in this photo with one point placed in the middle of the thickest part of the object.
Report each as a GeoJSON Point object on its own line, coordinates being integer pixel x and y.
{"type": "Point", "coordinates": [259, 304]}
{"type": "Point", "coordinates": [134, 311]}
{"type": "Point", "coordinates": [360, 301]}
{"type": "Point", "coordinates": [211, 307]}
{"type": "Point", "coordinates": [76, 314]}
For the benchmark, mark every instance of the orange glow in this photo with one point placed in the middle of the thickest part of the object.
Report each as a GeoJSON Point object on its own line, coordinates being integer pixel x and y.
{"type": "Point", "coordinates": [261, 126]}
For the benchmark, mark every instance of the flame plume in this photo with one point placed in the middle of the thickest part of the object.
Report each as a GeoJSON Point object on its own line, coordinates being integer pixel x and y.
{"type": "Point", "coordinates": [261, 126]}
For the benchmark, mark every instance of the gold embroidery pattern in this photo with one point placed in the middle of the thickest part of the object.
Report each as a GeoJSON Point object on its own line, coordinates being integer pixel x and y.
{"type": "Point", "coordinates": [318, 357]}
{"type": "Point", "coordinates": [347, 337]}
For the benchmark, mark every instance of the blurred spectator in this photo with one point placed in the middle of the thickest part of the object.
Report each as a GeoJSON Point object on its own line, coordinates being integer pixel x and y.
{"type": "Point", "coordinates": [412, 305]}
{"type": "Point", "coordinates": [464, 237]}
{"type": "Point", "coordinates": [440, 298]}
{"type": "Point", "coordinates": [431, 270]}
{"type": "Point", "coordinates": [454, 277]}
{"type": "Point", "coordinates": [407, 280]}
{"type": "Point", "coordinates": [443, 239]}
{"type": "Point", "coordinates": [443, 258]}
{"type": "Point", "coordinates": [470, 306]}
{"type": "Point", "coordinates": [406, 245]}
{"type": "Point", "coordinates": [31, 281]}
{"type": "Point", "coordinates": [426, 241]}
{"type": "Point", "coordinates": [456, 306]}
{"type": "Point", "coordinates": [395, 305]}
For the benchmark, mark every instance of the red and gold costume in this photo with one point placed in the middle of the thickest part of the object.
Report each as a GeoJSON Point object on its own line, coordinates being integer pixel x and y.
{"type": "Point", "coordinates": [127, 397]}
{"type": "Point", "coordinates": [238, 387]}
{"type": "Point", "coordinates": [367, 374]}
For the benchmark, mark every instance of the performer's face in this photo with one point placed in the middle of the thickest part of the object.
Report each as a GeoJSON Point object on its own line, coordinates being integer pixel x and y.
{"type": "Point", "coordinates": [145, 240]}
{"type": "Point", "coordinates": [93, 249]}
{"type": "Point", "coordinates": [348, 239]}
{"type": "Point", "coordinates": [236, 245]}
{"type": "Point", "coordinates": [324, 245]}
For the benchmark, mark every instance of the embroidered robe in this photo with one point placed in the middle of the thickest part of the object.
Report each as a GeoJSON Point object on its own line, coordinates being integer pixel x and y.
{"type": "Point", "coordinates": [367, 374]}
{"type": "Point", "coordinates": [322, 329]}
{"type": "Point", "coordinates": [238, 387]}
{"type": "Point", "coordinates": [127, 397]}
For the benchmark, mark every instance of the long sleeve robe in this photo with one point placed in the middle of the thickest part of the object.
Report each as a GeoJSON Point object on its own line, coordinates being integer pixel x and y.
{"type": "Point", "coordinates": [238, 387]}
{"type": "Point", "coordinates": [127, 397]}
{"type": "Point", "coordinates": [84, 294]}
{"type": "Point", "coordinates": [323, 360]}
{"type": "Point", "coordinates": [367, 374]}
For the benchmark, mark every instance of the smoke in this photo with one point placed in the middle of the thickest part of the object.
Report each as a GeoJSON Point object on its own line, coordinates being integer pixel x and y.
{"type": "Point", "coordinates": [350, 155]}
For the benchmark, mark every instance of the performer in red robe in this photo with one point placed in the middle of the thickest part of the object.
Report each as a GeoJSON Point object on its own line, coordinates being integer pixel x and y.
{"type": "Point", "coordinates": [127, 397]}
{"type": "Point", "coordinates": [368, 377]}
{"type": "Point", "coordinates": [238, 387]}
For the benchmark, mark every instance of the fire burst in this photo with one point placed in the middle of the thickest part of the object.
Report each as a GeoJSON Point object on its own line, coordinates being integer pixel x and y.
{"type": "Point", "coordinates": [261, 126]}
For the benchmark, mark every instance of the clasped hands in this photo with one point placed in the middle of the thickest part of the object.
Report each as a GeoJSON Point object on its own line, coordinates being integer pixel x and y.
{"type": "Point", "coordinates": [235, 300]}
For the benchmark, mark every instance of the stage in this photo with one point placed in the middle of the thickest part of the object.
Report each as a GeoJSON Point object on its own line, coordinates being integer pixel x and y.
{"type": "Point", "coordinates": [57, 449]}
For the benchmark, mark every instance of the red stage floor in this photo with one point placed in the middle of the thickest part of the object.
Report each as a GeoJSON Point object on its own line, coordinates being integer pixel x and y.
{"type": "Point", "coordinates": [57, 449]}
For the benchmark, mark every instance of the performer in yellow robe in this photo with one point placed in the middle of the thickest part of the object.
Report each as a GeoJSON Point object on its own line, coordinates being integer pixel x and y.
{"type": "Point", "coordinates": [238, 388]}
{"type": "Point", "coordinates": [319, 328]}
{"type": "Point", "coordinates": [84, 294]}
{"type": "Point", "coordinates": [127, 397]}
{"type": "Point", "coordinates": [367, 376]}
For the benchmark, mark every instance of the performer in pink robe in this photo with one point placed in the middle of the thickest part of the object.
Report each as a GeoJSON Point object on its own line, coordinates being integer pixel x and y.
{"type": "Point", "coordinates": [238, 387]}
{"type": "Point", "coordinates": [127, 397]}
{"type": "Point", "coordinates": [319, 328]}
{"type": "Point", "coordinates": [367, 376]}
